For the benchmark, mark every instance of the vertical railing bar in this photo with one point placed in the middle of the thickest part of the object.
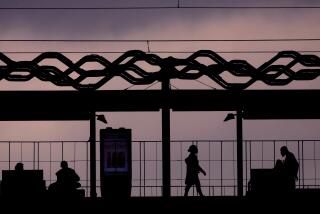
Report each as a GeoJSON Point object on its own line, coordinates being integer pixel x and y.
{"type": "Point", "coordinates": [262, 154]}
{"type": "Point", "coordinates": [50, 161]}
{"type": "Point", "coordinates": [181, 184]}
{"type": "Point", "coordinates": [303, 163]}
{"type": "Point", "coordinates": [209, 168]}
{"type": "Point", "coordinates": [62, 150]}
{"type": "Point", "coordinates": [221, 182]}
{"type": "Point", "coordinates": [194, 190]}
{"type": "Point", "coordinates": [196, 142]}
{"type": "Point", "coordinates": [156, 168]}
{"type": "Point", "coordinates": [9, 155]}
{"type": "Point", "coordinates": [38, 152]}
{"type": "Point", "coordinates": [21, 151]}
{"type": "Point", "coordinates": [87, 168]}
{"type": "Point", "coordinates": [274, 152]}
{"type": "Point", "coordinates": [250, 157]}
{"type": "Point", "coordinates": [144, 168]}
{"type": "Point", "coordinates": [234, 167]}
{"type": "Point", "coordinates": [299, 159]}
{"type": "Point", "coordinates": [246, 160]}
{"type": "Point", "coordinates": [74, 155]}
{"type": "Point", "coordinates": [140, 166]}
{"type": "Point", "coordinates": [315, 162]}
{"type": "Point", "coordinates": [34, 155]}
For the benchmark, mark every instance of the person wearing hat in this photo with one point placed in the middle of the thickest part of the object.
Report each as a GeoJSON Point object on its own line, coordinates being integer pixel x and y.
{"type": "Point", "coordinates": [193, 169]}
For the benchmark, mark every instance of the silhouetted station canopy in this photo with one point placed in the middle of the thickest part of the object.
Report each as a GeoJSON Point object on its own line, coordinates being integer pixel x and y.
{"type": "Point", "coordinates": [76, 105]}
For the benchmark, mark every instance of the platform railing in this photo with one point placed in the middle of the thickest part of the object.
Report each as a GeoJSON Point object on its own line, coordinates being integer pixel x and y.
{"type": "Point", "coordinates": [217, 157]}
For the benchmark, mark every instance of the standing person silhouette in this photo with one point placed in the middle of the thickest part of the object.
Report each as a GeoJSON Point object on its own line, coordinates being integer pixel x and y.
{"type": "Point", "coordinates": [290, 167]}
{"type": "Point", "coordinates": [193, 169]}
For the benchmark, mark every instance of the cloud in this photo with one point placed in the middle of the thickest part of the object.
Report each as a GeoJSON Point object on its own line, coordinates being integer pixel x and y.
{"type": "Point", "coordinates": [171, 23]}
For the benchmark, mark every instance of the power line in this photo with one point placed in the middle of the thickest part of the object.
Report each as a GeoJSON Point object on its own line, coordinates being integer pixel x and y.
{"type": "Point", "coordinates": [129, 87]}
{"type": "Point", "coordinates": [160, 7]}
{"type": "Point", "coordinates": [205, 84]}
{"type": "Point", "coordinates": [156, 82]}
{"type": "Point", "coordinates": [156, 52]}
{"type": "Point", "coordinates": [163, 40]}
{"type": "Point", "coordinates": [173, 86]}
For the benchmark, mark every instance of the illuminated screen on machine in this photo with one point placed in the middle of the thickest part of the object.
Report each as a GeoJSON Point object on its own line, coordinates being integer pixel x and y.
{"type": "Point", "coordinates": [115, 155]}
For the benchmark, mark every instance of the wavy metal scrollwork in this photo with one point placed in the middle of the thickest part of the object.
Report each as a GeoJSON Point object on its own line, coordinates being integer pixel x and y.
{"type": "Point", "coordinates": [190, 68]}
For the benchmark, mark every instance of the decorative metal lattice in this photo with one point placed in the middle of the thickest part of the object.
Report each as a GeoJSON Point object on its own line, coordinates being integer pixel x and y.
{"type": "Point", "coordinates": [126, 67]}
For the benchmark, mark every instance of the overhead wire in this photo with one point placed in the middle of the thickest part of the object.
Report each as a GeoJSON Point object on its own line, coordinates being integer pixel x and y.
{"type": "Point", "coordinates": [159, 7]}
{"type": "Point", "coordinates": [164, 40]}
{"type": "Point", "coordinates": [157, 52]}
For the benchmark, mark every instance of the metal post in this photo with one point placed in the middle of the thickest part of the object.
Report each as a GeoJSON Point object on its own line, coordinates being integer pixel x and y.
{"type": "Point", "coordinates": [93, 193]}
{"type": "Point", "coordinates": [166, 189]}
{"type": "Point", "coordinates": [166, 152]}
{"type": "Point", "coordinates": [239, 153]}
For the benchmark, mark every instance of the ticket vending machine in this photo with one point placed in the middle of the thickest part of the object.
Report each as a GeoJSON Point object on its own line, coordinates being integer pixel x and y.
{"type": "Point", "coordinates": [115, 164]}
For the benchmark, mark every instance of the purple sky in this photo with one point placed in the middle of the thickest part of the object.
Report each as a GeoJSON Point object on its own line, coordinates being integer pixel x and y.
{"type": "Point", "coordinates": [159, 24]}
{"type": "Point", "coordinates": [151, 24]}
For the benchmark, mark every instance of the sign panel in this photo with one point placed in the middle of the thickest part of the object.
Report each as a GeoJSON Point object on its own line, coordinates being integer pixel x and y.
{"type": "Point", "coordinates": [115, 154]}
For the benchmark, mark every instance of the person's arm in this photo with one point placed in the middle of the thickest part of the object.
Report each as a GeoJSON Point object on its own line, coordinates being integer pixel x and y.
{"type": "Point", "coordinates": [77, 178]}
{"type": "Point", "coordinates": [201, 170]}
{"type": "Point", "coordinates": [199, 167]}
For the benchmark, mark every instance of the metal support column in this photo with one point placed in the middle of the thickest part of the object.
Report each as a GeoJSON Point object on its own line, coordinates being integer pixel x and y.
{"type": "Point", "coordinates": [93, 192]}
{"type": "Point", "coordinates": [166, 173]}
{"type": "Point", "coordinates": [239, 153]}
{"type": "Point", "coordinates": [166, 152]}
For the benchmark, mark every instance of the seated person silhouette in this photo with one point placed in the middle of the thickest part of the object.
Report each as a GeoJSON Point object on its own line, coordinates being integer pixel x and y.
{"type": "Point", "coordinates": [67, 181]}
{"type": "Point", "coordinates": [22, 183]}
{"type": "Point", "coordinates": [19, 167]}
{"type": "Point", "coordinates": [18, 187]}
{"type": "Point", "coordinates": [279, 181]}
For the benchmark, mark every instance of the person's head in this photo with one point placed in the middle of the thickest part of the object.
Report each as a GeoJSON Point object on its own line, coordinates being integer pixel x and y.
{"type": "Point", "coordinates": [19, 167]}
{"type": "Point", "coordinates": [284, 150]}
{"type": "Point", "coordinates": [193, 149]}
{"type": "Point", "coordinates": [64, 164]}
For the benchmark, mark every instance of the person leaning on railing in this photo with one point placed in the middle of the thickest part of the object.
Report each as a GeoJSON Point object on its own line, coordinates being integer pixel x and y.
{"type": "Point", "coordinates": [290, 168]}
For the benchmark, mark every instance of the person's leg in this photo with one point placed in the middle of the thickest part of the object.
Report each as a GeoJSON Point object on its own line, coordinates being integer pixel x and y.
{"type": "Point", "coordinates": [292, 184]}
{"type": "Point", "coordinates": [198, 186]}
{"type": "Point", "coordinates": [186, 190]}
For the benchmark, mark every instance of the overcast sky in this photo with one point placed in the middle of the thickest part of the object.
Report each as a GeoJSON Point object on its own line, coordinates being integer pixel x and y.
{"type": "Point", "coordinates": [159, 24]}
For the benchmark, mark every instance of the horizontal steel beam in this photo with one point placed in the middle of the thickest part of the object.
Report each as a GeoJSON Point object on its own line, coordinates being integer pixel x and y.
{"type": "Point", "coordinates": [76, 105]}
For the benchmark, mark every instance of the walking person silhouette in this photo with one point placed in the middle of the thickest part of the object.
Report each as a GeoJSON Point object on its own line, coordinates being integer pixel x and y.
{"type": "Point", "coordinates": [193, 169]}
